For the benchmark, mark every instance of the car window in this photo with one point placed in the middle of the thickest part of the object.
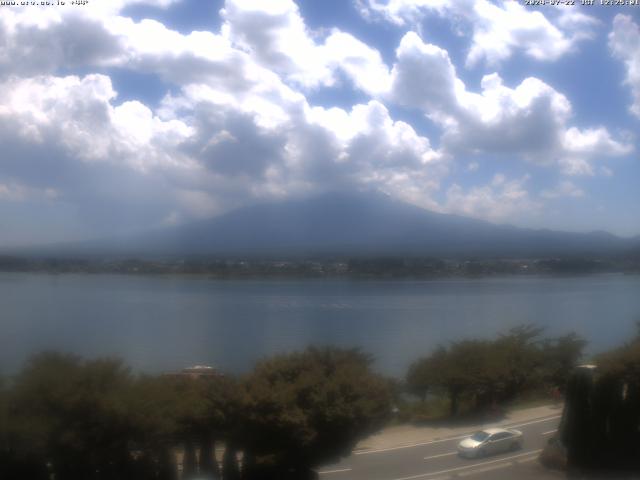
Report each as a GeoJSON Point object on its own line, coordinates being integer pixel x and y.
{"type": "Point", "coordinates": [500, 436]}
{"type": "Point", "coordinates": [480, 436]}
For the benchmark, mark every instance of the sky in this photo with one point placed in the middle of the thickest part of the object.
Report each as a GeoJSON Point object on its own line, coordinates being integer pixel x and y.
{"type": "Point", "coordinates": [119, 116]}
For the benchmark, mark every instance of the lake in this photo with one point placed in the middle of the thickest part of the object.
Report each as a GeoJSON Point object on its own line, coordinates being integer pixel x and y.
{"type": "Point", "coordinates": [167, 322]}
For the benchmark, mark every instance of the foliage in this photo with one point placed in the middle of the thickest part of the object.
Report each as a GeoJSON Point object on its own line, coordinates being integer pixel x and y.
{"type": "Point", "coordinates": [306, 408]}
{"type": "Point", "coordinates": [94, 420]}
{"type": "Point", "coordinates": [73, 415]}
{"type": "Point", "coordinates": [560, 356]}
{"type": "Point", "coordinates": [601, 421]}
{"type": "Point", "coordinates": [492, 372]}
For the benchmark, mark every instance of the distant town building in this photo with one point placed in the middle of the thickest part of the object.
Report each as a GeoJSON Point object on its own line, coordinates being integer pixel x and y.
{"type": "Point", "coordinates": [197, 371]}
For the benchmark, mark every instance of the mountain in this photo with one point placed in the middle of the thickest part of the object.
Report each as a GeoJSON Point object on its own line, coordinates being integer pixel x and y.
{"type": "Point", "coordinates": [340, 223]}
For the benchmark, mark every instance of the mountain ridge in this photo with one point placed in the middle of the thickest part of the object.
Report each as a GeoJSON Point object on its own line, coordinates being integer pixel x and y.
{"type": "Point", "coordinates": [352, 223]}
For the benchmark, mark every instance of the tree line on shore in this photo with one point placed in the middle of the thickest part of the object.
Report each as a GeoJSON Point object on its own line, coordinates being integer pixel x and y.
{"type": "Point", "coordinates": [339, 266]}
{"type": "Point", "coordinates": [485, 374]}
{"type": "Point", "coordinates": [69, 418]}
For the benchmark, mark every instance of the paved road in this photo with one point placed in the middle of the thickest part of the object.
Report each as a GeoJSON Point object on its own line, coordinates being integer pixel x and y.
{"type": "Point", "coordinates": [438, 460]}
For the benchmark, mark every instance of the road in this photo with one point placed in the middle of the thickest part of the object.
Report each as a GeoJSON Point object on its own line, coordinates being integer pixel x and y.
{"type": "Point", "coordinates": [438, 459]}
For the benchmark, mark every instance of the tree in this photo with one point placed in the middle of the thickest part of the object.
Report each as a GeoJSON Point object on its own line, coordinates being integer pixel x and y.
{"type": "Point", "coordinates": [193, 413]}
{"type": "Point", "coordinates": [560, 356]}
{"type": "Point", "coordinates": [73, 415]}
{"type": "Point", "coordinates": [487, 372]}
{"type": "Point", "coordinates": [468, 368]}
{"type": "Point", "coordinates": [307, 408]}
{"type": "Point", "coordinates": [474, 369]}
{"type": "Point", "coordinates": [423, 376]}
{"type": "Point", "coordinates": [601, 418]}
{"type": "Point", "coordinates": [521, 358]}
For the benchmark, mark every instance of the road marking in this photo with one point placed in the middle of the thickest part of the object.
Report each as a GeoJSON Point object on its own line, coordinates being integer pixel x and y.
{"type": "Point", "coordinates": [484, 469]}
{"type": "Point", "coordinates": [339, 470]}
{"type": "Point", "coordinates": [549, 432]}
{"type": "Point", "coordinates": [367, 452]}
{"type": "Point", "coordinates": [467, 467]}
{"type": "Point", "coordinates": [534, 421]}
{"type": "Point", "coordinates": [431, 442]}
{"type": "Point", "coordinates": [525, 460]}
{"type": "Point", "coordinates": [441, 455]}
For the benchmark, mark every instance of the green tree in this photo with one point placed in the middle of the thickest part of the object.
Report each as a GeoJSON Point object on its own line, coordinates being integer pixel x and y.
{"type": "Point", "coordinates": [73, 415]}
{"type": "Point", "coordinates": [601, 418]}
{"type": "Point", "coordinates": [194, 413]}
{"type": "Point", "coordinates": [307, 408]}
{"type": "Point", "coordinates": [473, 369]}
{"type": "Point", "coordinates": [468, 368]}
{"type": "Point", "coordinates": [423, 376]}
{"type": "Point", "coordinates": [560, 356]}
{"type": "Point", "coordinates": [520, 358]}
{"type": "Point", "coordinates": [488, 372]}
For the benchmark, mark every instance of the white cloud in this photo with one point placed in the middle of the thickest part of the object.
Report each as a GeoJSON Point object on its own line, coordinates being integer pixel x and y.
{"type": "Point", "coordinates": [309, 148]}
{"type": "Point", "coordinates": [78, 113]}
{"type": "Point", "coordinates": [37, 40]}
{"type": "Point", "coordinates": [203, 151]}
{"type": "Point", "coordinates": [16, 192]}
{"type": "Point", "coordinates": [563, 189]}
{"type": "Point", "coordinates": [257, 43]}
{"type": "Point", "coordinates": [389, 155]}
{"type": "Point", "coordinates": [237, 126]}
{"type": "Point", "coordinates": [499, 29]}
{"type": "Point", "coordinates": [118, 164]}
{"type": "Point", "coordinates": [530, 121]}
{"type": "Point", "coordinates": [624, 42]}
{"type": "Point", "coordinates": [499, 200]}
{"type": "Point", "coordinates": [276, 36]}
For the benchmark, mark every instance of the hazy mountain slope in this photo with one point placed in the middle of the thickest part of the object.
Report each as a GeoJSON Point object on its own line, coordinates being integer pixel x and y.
{"type": "Point", "coordinates": [351, 223]}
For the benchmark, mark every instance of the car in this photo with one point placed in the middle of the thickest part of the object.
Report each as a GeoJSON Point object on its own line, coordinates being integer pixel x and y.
{"type": "Point", "coordinates": [490, 441]}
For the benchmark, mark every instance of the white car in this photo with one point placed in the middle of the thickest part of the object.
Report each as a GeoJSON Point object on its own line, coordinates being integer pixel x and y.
{"type": "Point", "coordinates": [490, 441]}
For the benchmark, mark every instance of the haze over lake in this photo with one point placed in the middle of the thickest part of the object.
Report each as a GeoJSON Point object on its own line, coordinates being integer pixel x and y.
{"type": "Point", "coordinates": [165, 323]}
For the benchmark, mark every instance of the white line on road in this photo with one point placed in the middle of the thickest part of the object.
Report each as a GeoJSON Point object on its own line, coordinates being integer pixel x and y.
{"type": "Point", "coordinates": [525, 460]}
{"type": "Point", "coordinates": [467, 467]}
{"type": "Point", "coordinates": [431, 442]}
{"type": "Point", "coordinates": [367, 452]}
{"type": "Point", "coordinates": [534, 421]}
{"type": "Point", "coordinates": [497, 466]}
{"type": "Point", "coordinates": [327, 472]}
{"type": "Point", "coordinates": [441, 455]}
{"type": "Point", "coordinates": [549, 432]}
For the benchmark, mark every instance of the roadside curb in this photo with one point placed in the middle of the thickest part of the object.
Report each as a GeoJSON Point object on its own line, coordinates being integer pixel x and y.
{"type": "Point", "coordinates": [463, 432]}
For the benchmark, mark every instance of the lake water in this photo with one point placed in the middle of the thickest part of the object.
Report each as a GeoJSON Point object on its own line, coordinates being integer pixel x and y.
{"type": "Point", "coordinates": [165, 323]}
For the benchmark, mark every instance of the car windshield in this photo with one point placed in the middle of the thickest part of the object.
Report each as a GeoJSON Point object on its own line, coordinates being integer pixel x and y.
{"type": "Point", "coordinates": [480, 436]}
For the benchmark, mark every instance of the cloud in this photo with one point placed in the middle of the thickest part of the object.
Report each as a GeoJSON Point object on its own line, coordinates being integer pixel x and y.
{"type": "Point", "coordinates": [275, 35]}
{"type": "Point", "coordinates": [236, 125]}
{"type": "Point", "coordinates": [16, 192]}
{"type": "Point", "coordinates": [530, 121]}
{"type": "Point", "coordinates": [499, 200]}
{"type": "Point", "coordinates": [563, 189]}
{"type": "Point", "coordinates": [256, 41]}
{"type": "Point", "coordinates": [624, 42]}
{"type": "Point", "coordinates": [78, 115]}
{"type": "Point", "coordinates": [201, 152]}
{"type": "Point", "coordinates": [117, 164]}
{"type": "Point", "coordinates": [30, 46]}
{"type": "Point", "coordinates": [499, 29]}
{"type": "Point", "coordinates": [388, 155]}
{"type": "Point", "coordinates": [36, 40]}
{"type": "Point", "coordinates": [291, 147]}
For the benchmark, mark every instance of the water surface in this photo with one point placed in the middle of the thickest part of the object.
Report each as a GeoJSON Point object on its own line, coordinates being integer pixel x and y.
{"type": "Point", "coordinates": [167, 322]}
